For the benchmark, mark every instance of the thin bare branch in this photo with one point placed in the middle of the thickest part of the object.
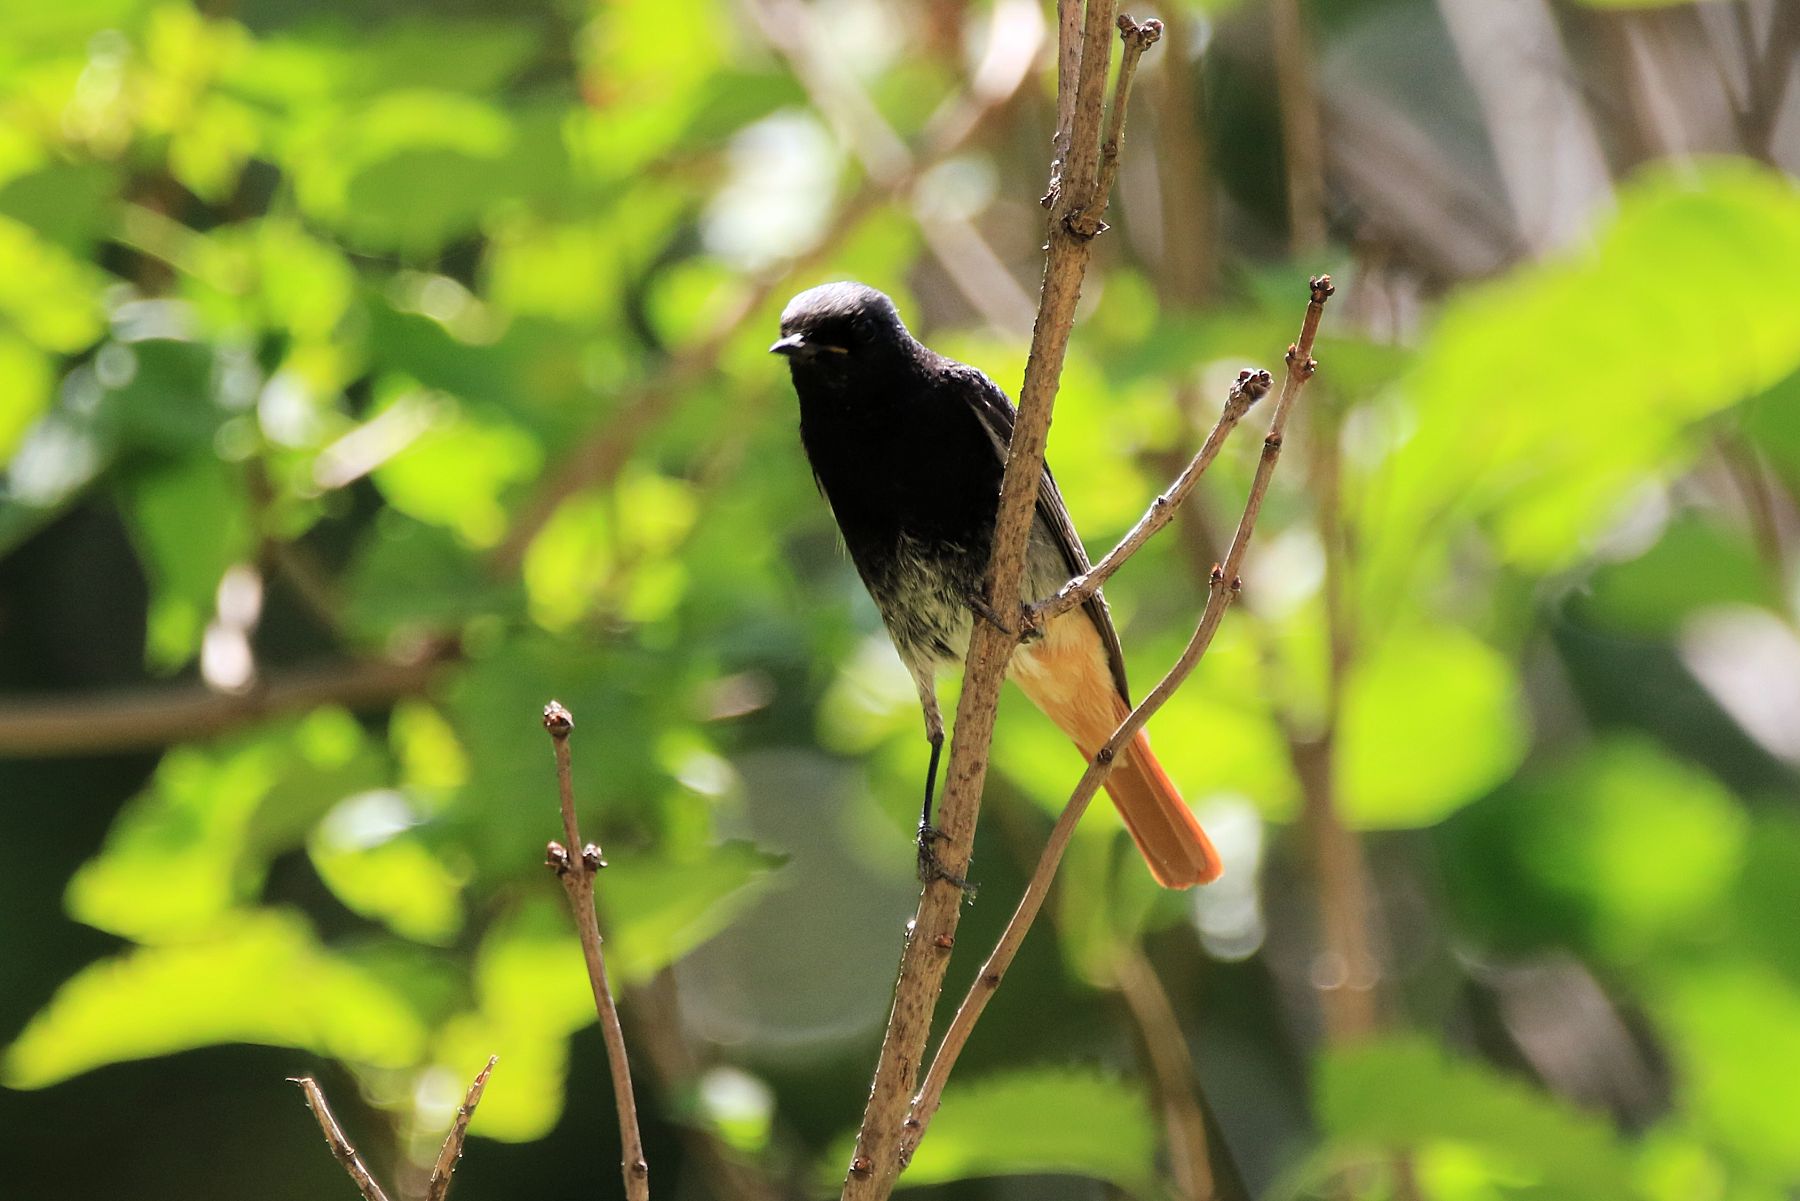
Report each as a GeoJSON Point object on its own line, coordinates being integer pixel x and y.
{"type": "Point", "coordinates": [1250, 386]}
{"type": "Point", "coordinates": [450, 1154]}
{"type": "Point", "coordinates": [146, 718]}
{"type": "Point", "coordinates": [576, 870]}
{"type": "Point", "coordinates": [340, 1146]}
{"type": "Point", "coordinates": [876, 1162]}
{"type": "Point", "coordinates": [1302, 142]}
{"type": "Point", "coordinates": [1137, 38]}
{"type": "Point", "coordinates": [1223, 588]}
{"type": "Point", "coordinates": [1184, 1123]}
{"type": "Point", "coordinates": [955, 242]}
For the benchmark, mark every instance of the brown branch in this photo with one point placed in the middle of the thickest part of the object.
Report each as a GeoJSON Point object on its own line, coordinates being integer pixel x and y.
{"type": "Point", "coordinates": [1302, 142]}
{"type": "Point", "coordinates": [1166, 1049]}
{"type": "Point", "coordinates": [150, 717]}
{"type": "Point", "coordinates": [1249, 387]}
{"type": "Point", "coordinates": [1347, 984]}
{"type": "Point", "coordinates": [334, 1138]}
{"type": "Point", "coordinates": [1223, 588]}
{"type": "Point", "coordinates": [876, 1162]}
{"type": "Point", "coordinates": [450, 1154]}
{"type": "Point", "coordinates": [576, 870]}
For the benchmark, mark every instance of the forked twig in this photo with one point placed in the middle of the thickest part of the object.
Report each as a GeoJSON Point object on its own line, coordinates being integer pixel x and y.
{"type": "Point", "coordinates": [340, 1145]}
{"type": "Point", "coordinates": [576, 871]}
{"type": "Point", "coordinates": [1250, 386]}
{"type": "Point", "coordinates": [1223, 589]}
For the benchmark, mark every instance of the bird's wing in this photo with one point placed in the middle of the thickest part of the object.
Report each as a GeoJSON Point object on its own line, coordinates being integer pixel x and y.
{"type": "Point", "coordinates": [996, 413]}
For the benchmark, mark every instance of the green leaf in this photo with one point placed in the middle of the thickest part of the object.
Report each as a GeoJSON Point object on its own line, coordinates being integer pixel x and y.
{"type": "Point", "coordinates": [1431, 720]}
{"type": "Point", "coordinates": [408, 577]}
{"type": "Point", "coordinates": [47, 295]}
{"type": "Point", "coordinates": [194, 844]}
{"type": "Point", "coordinates": [1696, 563]}
{"type": "Point", "coordinates": [1734, 1030]}
{"type": "Point", "coordinates": [363, 854]}
{"type": "Point", "coordinates": [1037, 1121]}
{"type": "Point", "coordinates": [455, 475]}
{"type": "Point", "coordinates": [72, 204]}
{"type": "Point", "coordinates": [1407, 1092]}
{"type": "Point", "coordinates": [261, 979]}
{"type": "Point", "coordinates": [1543, 399]}
{"type": "Point", "coordinates": [1645, 844]}
{"type": "Point", "coordinates": [190, 522]}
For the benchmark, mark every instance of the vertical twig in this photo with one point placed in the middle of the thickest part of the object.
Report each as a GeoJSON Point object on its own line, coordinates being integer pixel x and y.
{"type": "Point", "coordinates": [1166, 1049]}
{"type": "Point", "coordinates": [1302, 143]}
{"type": "Point", "coordinates": [334, 1137]}
{"type": "Point", "coordinates": [450, 1154]}
{"type": "Point", "coordinates": [876, 1162]}
{"type": "Point", "coordinates": [576, 871]}
{"type": "Point", "coordinates": [1223, 589]}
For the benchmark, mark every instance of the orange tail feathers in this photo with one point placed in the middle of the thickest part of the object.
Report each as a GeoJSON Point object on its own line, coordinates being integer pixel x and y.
{"type": "Point", "coordinates": [1065, 674]}
{"type": "Point", "coordinates": [1167, 834]}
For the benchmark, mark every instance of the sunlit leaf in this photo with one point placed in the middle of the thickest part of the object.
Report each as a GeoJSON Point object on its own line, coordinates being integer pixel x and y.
{"type": "Point", "coordinates": [455, 475]}
{"type": "Point", "coordinates": [1430, 721]}
{"type": "Point", "coordinates": [190, 522]}
{"type": "Point", "coordinates": [1735, 1033]}
{"type": "Point", "coordinates": [48, 296]}
{"type": "Point", "coordinates": [1540, 400]}
{"type": "Point", "coordinates": [260, 979]}
{"type": "Point", "coordinates": [1038, 1122]}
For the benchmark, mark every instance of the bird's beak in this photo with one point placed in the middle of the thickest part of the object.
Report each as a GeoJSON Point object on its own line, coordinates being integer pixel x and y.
{"type": "Point", "coordinates": [790, 346]}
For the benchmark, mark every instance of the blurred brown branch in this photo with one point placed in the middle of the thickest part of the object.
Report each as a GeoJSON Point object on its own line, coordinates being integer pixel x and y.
{"type": "Point", "coordinates": [154, 716]}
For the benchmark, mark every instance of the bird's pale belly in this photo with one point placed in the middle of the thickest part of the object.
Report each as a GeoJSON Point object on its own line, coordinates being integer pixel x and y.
{"type": "Point", "coordinates": [924, 594]}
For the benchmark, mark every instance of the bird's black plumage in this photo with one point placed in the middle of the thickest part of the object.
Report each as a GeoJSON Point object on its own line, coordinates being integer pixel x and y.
{"type": "Point", "coordinates": [908, 447]}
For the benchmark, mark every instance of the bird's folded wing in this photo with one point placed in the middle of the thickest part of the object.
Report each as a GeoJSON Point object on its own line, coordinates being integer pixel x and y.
{"type": "Point", "coordinates": [997, 414]}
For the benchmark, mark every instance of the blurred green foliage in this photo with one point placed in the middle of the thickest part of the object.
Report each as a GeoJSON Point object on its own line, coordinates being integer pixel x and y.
{"type": "Point", "coordinates": [355, 334]}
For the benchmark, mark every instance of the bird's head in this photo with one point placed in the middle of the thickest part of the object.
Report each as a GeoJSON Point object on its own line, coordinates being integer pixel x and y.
{"type": "Point", "coordinates": [841, 328]}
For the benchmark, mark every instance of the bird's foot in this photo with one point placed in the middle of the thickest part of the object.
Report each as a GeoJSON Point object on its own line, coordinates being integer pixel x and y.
{"type": "Point", "coordinates": [1031, 621]}
{"type": "Point", "coordinates": [931, 867]}
{"type": "Point", "coordinates": [978, 604]}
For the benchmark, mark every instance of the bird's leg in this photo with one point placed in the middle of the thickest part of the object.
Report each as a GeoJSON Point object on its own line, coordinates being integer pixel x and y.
{"type": "Point", "coordinates": [930, 866]}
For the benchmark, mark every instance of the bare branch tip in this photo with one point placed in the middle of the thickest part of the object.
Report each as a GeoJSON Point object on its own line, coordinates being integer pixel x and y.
{"type": "Point", "coordinates": [558, 721]}
{"type": "Point", "coordinates": [1139, 35]}
{"type": "Point", "coordinates": [1252, 384]}
{"type": "Point", "coordinates": [1322, 288]}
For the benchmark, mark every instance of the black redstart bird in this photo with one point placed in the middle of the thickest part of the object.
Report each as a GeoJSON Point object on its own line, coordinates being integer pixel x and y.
{"type": "Point", "coordinates": [908, 447]}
